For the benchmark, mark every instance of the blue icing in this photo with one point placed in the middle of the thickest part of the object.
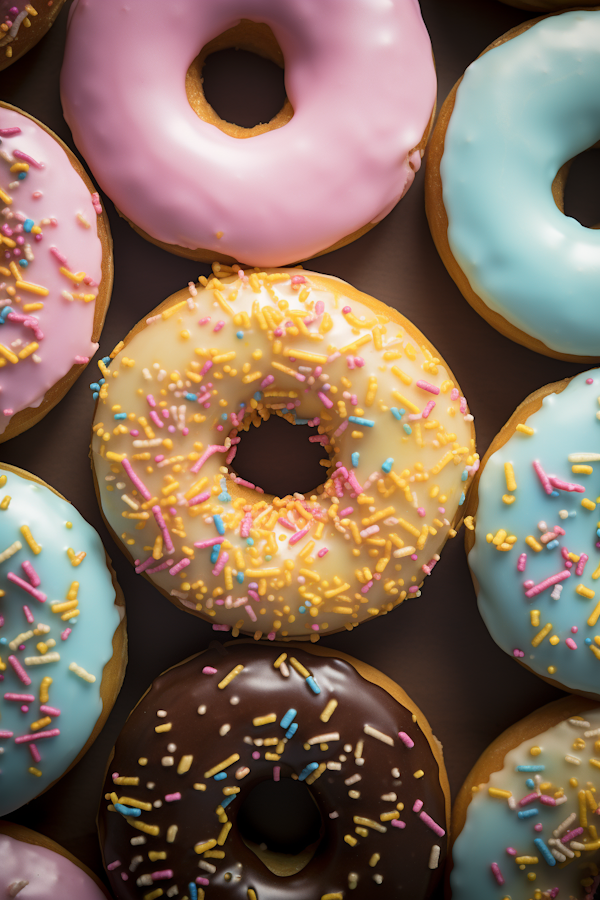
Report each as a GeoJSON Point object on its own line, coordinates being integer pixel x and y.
{"type": "Point", "coordinates": [565, 424]}
{"type": "Point", "coordinates": [89, 645]}
{"type": "Point", "coordinates": [522, 110]}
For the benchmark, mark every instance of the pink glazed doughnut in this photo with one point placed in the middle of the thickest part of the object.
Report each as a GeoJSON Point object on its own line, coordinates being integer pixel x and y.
{"type": "Point", "coordinates": [361, 83]}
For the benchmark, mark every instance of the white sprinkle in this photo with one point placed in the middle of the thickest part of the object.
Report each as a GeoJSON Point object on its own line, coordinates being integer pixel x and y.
{"type": "Point", "coordinates": [167, 761]}
{"type": "Point", "coordinates": [395, 773]}
{"type": "Point", "coordinates": [234, 701]}
{"type": "Point", "coordinates": [171, 748]}
{"type": "Point", "coordinates": [135, 862]}
{"type": "Point", "coordinates": [579, 723]}
{"type": "Point", "coordinates": [347, 748]}
{"type": "Point", "coordinates": [324, 738]}
{"type": "Point", "coordinates": [173, 891]}
{"type": "Point", "coordinates": [564, 825]}
{"type": "Point", "coordinates": [208, 867]}
{"type": "Point", "coordinates": [389, 798]}
{"type": "Point", "coordinates": [378, 878]}
{"type": "Point", "coordinates": [583, 457]}
{"type": "Point", "coordinates": [224, 729]}
{"type": "Point", "coordinates": [54, 657]}
{"type": "Point", "coordinates": [6, 554]}
{"type": "Point", "coordinates": [359, 761]}
{"type": "Point", "coordinates": [434, 857]}
{"type": "Point", "coordinates": [202, 709]}
{"type": "Point", "coordinates": [242, 772]}
{"type": "Point", "coordinates": [334, 766]}
{"type": "Point", "coordinates": [138, 839]}
{"type": "Point", "coordinates": [161, 713]}
{"type": "Point", "coordinates": [150, 785]}
{"type": "Point", "coordinates": [334, 815]}
{"type": "Point", "coordinates": [593, 733]}
{"type": "Point", "coordinates": [556, 592]}
{"type": "Point", "coordinates": [573, 759]}
{"type": "Point", "coordinates": [144, 881]}
{"type": "Point", "coordinates": [354, 794]}
{"type": "Point", "coordinates": [353, 779]}
{"type": "Point", "coordinates": [284, 669]}
{"type": "Point", "coordinates": [157, 804]}
{"type": "Point", "coordinates": [172, 833]}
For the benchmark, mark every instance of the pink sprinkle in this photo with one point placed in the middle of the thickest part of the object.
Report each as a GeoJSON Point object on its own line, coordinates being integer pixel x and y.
{"type": "Point", "coordinates": [209, 670]}
{"type": "Point", "coordinates": [285, 523]}
{"type": "Point", "coordinates": [180, 566]}
{"type": "Point", "coordinates": [163, 528]}
{"type": "Point", "coordinates": [256, 755]}
{"type": "Point", "coordinates": [414, 557]}
{"type": "Point", "coordinates": [26, 587]}
{"type": "Point", "coordinates": [31, 573]}
{"type": "Point", "coordinates": [114, 865]}
{"type": "Point", "coordinates": [58, 255]}
{"type": "Point", "coordinates": [574, 629]}
{"type": "Point", "coordinates": [511, 851]}
{"type": "Point", "coordinates": [437, 829]}
{"type": "Point", "coordinates": [299, 535]}
{"type": "Point", "coordinates": [220, 627]}
{"type": "Point", "coordinates": [199, 498]}
{"type": "Point", "coordinates": [218, 326]}
{"type": "Point", "coordinates": [325, 400]}
{"type": "Point", "coordinates": [425, 386]}
{"type": "Point", "coordinates": [81, 360]}
{"type": "Point", "coordinates": [161, 567]}
{"type": "Point", "coordinates": [267, 381]}
{"type": "Point", "coordinates": [65, 634]}
{"type": "Point", "coordinates": [156, 419]}
{"type": "Point", "coordinates": [28, 614]}
{"type": "Point", "coordinates": [21, 698]}
{"type": "Point", "coordinates": [561, 485]}
{"type": "Point", "coordinates": [571, 644]}
{"type": "Point", "coordinates": [212, 448]}
{"type": "Point", "coordinates": [421, 511]}
{"type": "Point", "coordinates": [221, 562]}
{"type": "Point", "coordinates": [6, 734]}
{"type": "Point", "coordinates": [35, 753]}
{"type": "Point", "coordinates": [298, 279]}
{"type": "Point", "coordinates": [204, 321]}
{"type": "Point", "coordinates": [519, 654]}
{"type": "Point", "coordinates": [19, 670]}
{"type": "Point", "coordinates": [589, 380]}
{"type": "Point", "coordinates": [521, 563]}
{"type": "Point", "coordinates": [571, 834]}
{"type": "Point", "coordinates": [124, 876]}
{"type": "Point", "coordinates": [171, 797]}
{"type": "Point", "coordinates": [525, 800]}
{"type": "Point", "coordinates": [251, 613]}
{"type": "Point", "coordinates": [276, 773]}
{"type": "Point", "coordinates": [49, 710]}
{"type": "Point", "coordinates": [9, 132]}
{"type": "Point", "coordinates": [346, 512]}
{"type": "Point", "coordinates": [538, 827]}
{"type": "Point", "coordinates": [398, 823]}
{"type": "Point", "coordinates": [27, 738]}
{"type": "Point", "coordinates": [418, 806]}
{"type": "Point", "coordinates": [581, 564]}
{"type": "Point", "coordinates": [323, 551]}
{"type": "Point", "coordinates": [548, 801]}
{"type": "Point", "coordinates": [151, 401]}
{"type": "Point", "coordinates": [548, 582]}
{"type": "Point", "coordinates": [137, 482]}
{"type": "Point", "coordinates": [201, 880]}
{"type": "Point", "coordinates": [19, 154]}
{"type": "Point", "coordinates": [406, 740]}
{"type": "Point", "coordinates": [543, 477]}
{"type": "Point", "coordinates": [463, 405]}
{"type": "Point", "coordinates": [497, 873]}
{"type": "Point", "coordinates": [96, 203]}
{"type": "Point", "coordinates": [315, 627]}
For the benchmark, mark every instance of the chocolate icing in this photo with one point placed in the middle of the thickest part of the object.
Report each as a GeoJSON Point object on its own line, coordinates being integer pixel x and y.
{"type": "Point", "coordinates": [261, 689]}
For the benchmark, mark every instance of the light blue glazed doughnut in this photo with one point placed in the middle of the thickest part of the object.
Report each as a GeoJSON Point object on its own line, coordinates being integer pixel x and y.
{"type": "Point", "coordinates": [522, 110]}
{"type": "Point", "coordinates": [536, 557]}
{"type": "Point", "coordinates": [58, 615]}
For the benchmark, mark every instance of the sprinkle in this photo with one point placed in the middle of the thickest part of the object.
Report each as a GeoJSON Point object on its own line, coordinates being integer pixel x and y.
{"type": "Point", "coordinates": [545, 851]}
{"type": "Point", "coordinates": [406, 740]}
{"type": "Point", "coordinates": [497, 873]}
{"type": "Point", "coordinates": [222, 765]}
{"type": "Point", "coordinates": [81, 672]}
{"type": "Point", "coordinates": [19, 670]}
{"type": "Point", "coordinates": [227, 680]}
{"type": "Point", "coordinates": [373, 732]}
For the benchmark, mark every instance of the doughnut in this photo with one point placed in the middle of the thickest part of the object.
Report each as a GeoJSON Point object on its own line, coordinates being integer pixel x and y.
{"type": "Point", "coordinates": [33, 867]}
{"type": "Point", "coordinates": [550, 5]}
{"type": "Point", "coordinates": [60, 672]}
{"type": "Point", "coordinates": [337, 158]}
{"type": "Point", "coordinates": [55, 268]}
{"type": "Point", "coordinates": [495, 185]}
{"type": "Point", "coordinates": [533, 548]}
{"type": "Point", "coordinates": [22, 25]}
{"type": "Point", "coordinates": [316, 351]}
{"type": "Point", "coordinates": [173, 823]}
{"type": "Point", "coordinates": [523, 824]}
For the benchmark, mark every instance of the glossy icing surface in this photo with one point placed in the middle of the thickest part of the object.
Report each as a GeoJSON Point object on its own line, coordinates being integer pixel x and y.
{"type": "Point", "coordinates": [273, 198]}
{"type": "Point", "coordinates": [48, 228]}
{"type": "Point", "coordinates": [522, 110]}
{"type": "Point", "coordinates": [40, 639]}
{"type": "Point", "coordinates": [176, 401]}
{"type": "Point", "coordinates": [554, 629]}
{"type": "Point", "coordinates": [545, 778]}
{"type": "Point", "coordinates": [48, 875]}
{"type": "Point", "coordinates": [167, 768]}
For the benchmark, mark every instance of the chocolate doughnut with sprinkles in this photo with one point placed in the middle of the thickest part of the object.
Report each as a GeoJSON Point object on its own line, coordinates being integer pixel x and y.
{"type": "Point", "coordinates": [219, 733]}
{"type": "Point", "coordinates": [22, 25]}
{"type": "Point", "coordinates": [217, 360]}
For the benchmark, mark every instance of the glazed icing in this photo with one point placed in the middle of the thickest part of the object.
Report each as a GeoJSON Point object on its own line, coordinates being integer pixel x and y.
{"type": "Point", "coordinates": [547, 793]}
{"type": "Point", "coordinates": [554, 637]}
{"type": "Point", "coordinates": [276, 197]}
{"type": "Point", "coordinates": [73, 703]}
{"type": "Point", "coordinates": [49, 224]}
{"type": "Point", "coordinates": [168, 761]}
{"type": "Point", "coordinates": [48, 874]}
{"type": "Point", "coordinates": [180, 392]}
{"type": "Point", "coordinates": [522, 110]}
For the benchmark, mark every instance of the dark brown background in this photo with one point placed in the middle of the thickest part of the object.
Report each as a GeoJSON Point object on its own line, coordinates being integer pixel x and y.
{"type": "Point", "coordinates": [436, 647]}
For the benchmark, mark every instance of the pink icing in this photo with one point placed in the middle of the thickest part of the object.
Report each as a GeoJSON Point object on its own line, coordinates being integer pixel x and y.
{"type": "Point", "coordinates": [360, 78]}
{"type": "Point", "coordinates": [63, 328]}
{"type": "Point", "coordinates": [49, 874]}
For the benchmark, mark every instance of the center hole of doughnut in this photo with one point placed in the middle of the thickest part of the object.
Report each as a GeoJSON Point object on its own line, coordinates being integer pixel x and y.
{"type": "Point", "coordinates": [281, 823]}
{"type": "Point", "coordinates": [280, 458]}
{"type": "Point", "coordinates": [237, 82]}
{"type": "Point", "coordinates": [578, 184]}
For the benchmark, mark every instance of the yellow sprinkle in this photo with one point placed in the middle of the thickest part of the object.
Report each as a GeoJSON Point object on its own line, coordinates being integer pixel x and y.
{"type": "Point", "coordinates": [534, 615]}
{"type": "Point", "coordinates": [594, 615]}
{"type": "Point", "coordinates": [350, 840]}
{"type": "Point", "coordinates": [328, 711]}
{"type": "Point", "coordinates": [526, 860]}
{"type": "Point", "coordinates": [317, 358]}
{"type": "Point", "coordinates": [32, 769]}
{"type": "Point", "coordinates": [154, 830]}
{"type": "Point", "coordinates": [509, 474]}
{"type": "Point", "coordinates": [159, 729]}
{"type": "Point", "coordinates": [4, 196]}
{"type": "Point", "coordinates": [45, 684]}
{"type": "Point", "coordinates": [205, 845]}
{"type": "Point", "coordinates": [582, 809]}
{"type": "Point", "coordinates": [264, 720]}
{"type": "Point", "coordinates": [223, 833]}
{"type": "Point", "coordinates": [229, 678]}
{"type": "Point", "coordinates": [508, 499]}
{"type": "Point", "coordinates": [28, 350]}
{"type": "Point", "coordinates": [32, 288]}
{"type": "Point", "coordinates": [584, 591]}
{"type": "Point", "coordinates": [35, 547]}
{"type": "Point", "coordinates": [299, 667]}
{"type": "Point", "coordinates": [41, 723]}
{"type": "Point", "coordinates": [541, 635]}
{"type": "Point", "coordinates": [279, 660]}
{"type": "Point", "coordinates": [531, 542]}
{"type": "Point", "coordinates": [5, 502]}
{"type": "Point", "coordinates": [418, 774]}
{"type": "Point", "coordinates": [222, 765]}
{"type": "Point", "coordinates": [588, 504]}
{"type": "Point", "coordinates": [337, 896]}
{"type": "Point", "coordinates": [252, 894]}
{"type": "Point", "coordinates": [154, 894]}
{"type": "Point", "coordinates": [498, 792]}
{"type": "Point", "coordinates": [525, 429]}
{"type": "Point", "coordinates": [406, 403]}
{"type": "Point", "coordinates": [404, 378]}
{"type": "Point", "coordinates": [369, 823]}
{"type": "Point", "coordinates": [582, 470]}
{"type": "Point", "coordinates": [352, 348]}
{"type": "Point", "coordinates": [8, 354]}
{"type": "Point", "coordinates": [132, 781]}
{"type": "Point", "coordinates": [184, 764]}
{"type": "Point", "coordinates": [137, 804]}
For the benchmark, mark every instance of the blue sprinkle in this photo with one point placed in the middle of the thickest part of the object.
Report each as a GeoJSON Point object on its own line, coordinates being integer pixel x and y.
{"type": "Point", "coordinates": [291, 730]}
{"type": "Point", "coordinates": [407, 429]}
{"type": "Point", "coordinates": [258, 395]}
{"type": "Point", "coordinates": [193, 891]}
{"type": "Point", "coordinates": [250, 542]}
{"type": "Point", "coordinates": [268, 558]}
{"type": "Point", "coordinates": [462, 499]}
{"type": "Point", "coordinates": [545, 851]}
{"type": "Point", "coordinates": [396, 413]}
{"type": "Point", "coordinates": [301, 609]}
{"type": "Point", "coordinates": [4, 314]}
{"type": "Point", "coordinates": [189, 396]}
{"type": "Point", "coordinates": [355, 458]}
{"type": "Point", "coordinates": [101, 380]}
{"type": "Point", "coordinates": [527, 813]}
{"type": "Point", "coordinates": [464, 475]}
{"type": "Point", "coordinates": [23, 263]}
{"type": "Point", "coordinates": [3, 641]}
{"type": "Point", "coordinates": [22, 176]}
{"type": "Point", "coordinates": [228, 800]}
{"type": "Point", "coordinates": [531, 768]}
{"type": "Point", "coordinates": [530, 783]}
{"type": "Point", "coordinates": [94, 386]}
{"type": "Point", "coordinates": [598, 532]}
{"type": "Point", "coordinates": [555, 494]}
{"type": "Point", "coordinates": [28, 225]}
{"type": "Point", "coordinates": [106, 360]}
{"type": "Point", "coordinates": [220, 776]}
{"type": "Point", "coordinates": [313, 685]}
{"type": "Point", "coordinates": [95, 395]}
{"type": "Point", "coordinates": [387, 465]}
{"type": "Point", "coordinates": [288, 718]}
{"type": "Point", "coordinates": [307, 603]}
{"type": "Point", "coordinates": [223, 417]}
{"type": "Point", "coordinates": [240, 335]}
{"type": "Point", "coordinates": [588, 641]}
{"type": "Point", "coordinates": [127, 810]}
{"type": "Point", "coordinates": [224, 497]}
{"type": "Point", "coordinates": [550, 546]}
{"type": "Point", "coordinates": [214, 553]}
{"type": "Point", "coordinates": [300, 421]}
{"type": "Point", "coordinates": [307, 770]}
{"type": "Point", "coordinates": [240, 577]}
{"type": "Point", "coordinates": [120, 415]}
{"type": "Point", "coordinates": [219, 524]}
{"type": "Point", "coordinates": [358, 420]}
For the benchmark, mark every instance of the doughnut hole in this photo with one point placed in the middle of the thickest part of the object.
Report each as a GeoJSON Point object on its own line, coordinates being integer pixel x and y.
{"type": "Point", "coordinates": [237, 82]}
{"type": "Point", "coordinates": [576, 188]}
{"type": "Point", "coordinates": [280, 458]}
{"type": "Point", "coordinates": [281, 823]}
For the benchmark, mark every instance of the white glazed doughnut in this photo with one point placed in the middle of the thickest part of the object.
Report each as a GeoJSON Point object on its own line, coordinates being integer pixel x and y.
{"type": "Point", "coordinates": [203, 368]}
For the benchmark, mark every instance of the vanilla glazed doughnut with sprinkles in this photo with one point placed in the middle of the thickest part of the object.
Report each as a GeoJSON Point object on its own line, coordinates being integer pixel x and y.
{"type": "Point", "coordinates": [55, 270]}
{"type": "Point", "coordinates": [534, 545]}
{"type": "Point", "coordinates": [174, 403]}
{"type": "Point", "coordinates": [62, 637]}
{"type": "Point", "coordinates": [525, 822]}
{"type": "Point", "coordinates": [242, 722]}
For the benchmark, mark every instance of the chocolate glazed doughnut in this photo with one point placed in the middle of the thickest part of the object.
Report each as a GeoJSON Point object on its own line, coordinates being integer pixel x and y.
{"type": "Point", "coordinates": [241, 717]}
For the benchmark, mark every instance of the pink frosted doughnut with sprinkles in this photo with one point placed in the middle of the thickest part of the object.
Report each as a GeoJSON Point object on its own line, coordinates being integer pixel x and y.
{"type": "Point", "coordinates": [55, 270]}
{"type": "Point", "coordinates": [216, 359]}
